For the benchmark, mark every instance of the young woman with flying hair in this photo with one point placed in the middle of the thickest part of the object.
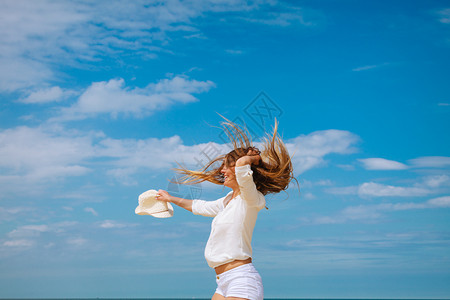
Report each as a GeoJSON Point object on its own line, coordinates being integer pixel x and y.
{"type": "Point", "coordinates": [251, 175]}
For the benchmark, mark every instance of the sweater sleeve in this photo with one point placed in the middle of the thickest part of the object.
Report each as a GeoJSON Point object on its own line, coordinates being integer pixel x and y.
{"type": "Point", "coordinates": [207, 208]}
{"type": "Point", "coordinates": [244, 177]}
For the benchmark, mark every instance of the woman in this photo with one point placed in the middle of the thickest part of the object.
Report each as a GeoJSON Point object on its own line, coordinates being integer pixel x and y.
{"type": "Point", "coordinates": [251, 175]}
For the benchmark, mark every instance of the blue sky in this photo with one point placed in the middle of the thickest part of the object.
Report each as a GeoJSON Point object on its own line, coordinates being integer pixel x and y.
{"type": "Point", "coordinates": [99, 100]}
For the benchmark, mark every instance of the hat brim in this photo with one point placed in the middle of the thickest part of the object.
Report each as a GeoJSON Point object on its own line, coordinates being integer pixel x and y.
{"type": "Point", "coordinates": [163, 214]}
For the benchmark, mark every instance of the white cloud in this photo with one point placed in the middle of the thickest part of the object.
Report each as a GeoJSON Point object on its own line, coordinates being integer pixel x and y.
{"type": "Point", "coordinates": [430, 162]}
{"type": "Point", "coordinates": [18, 243]}
{"type": "Point", "coordinates": [382, 190]}
{"type": "Point", "coordinates": [29, 31]}
{"type": "Point", "coordinates": [346, 167]}
{"type": "Point", "coordinates": [52, 94]}
{"type": "Point", "coordinates": [382, 164]}
{"type": "Point", "coordinates": [114, 98]}
{"type": "Point", "coordinates": [28, 231]}
{"type": "Point", "coordinates": [91, 211]}
{"type": "Point", "coordinates": [373, 189]}
{"type": "Point", "coordinates": [320, 143]}
{"type": "Point", "coordinates": [369, 67]}
{"type": "Point", "coordinates": [45, 154]}
{"type": "Point", "coordinates": [428, 185]}
{"type": "Point", "coordinates": [284, 15]}
{"type": "Point", "coordinates": [420, 162]}
{"type": "Point", "coordinates": [435, 181]}
{"type": "Point", "coordinates": [370, 213]}
{"type": "Point", "coordinates": [309, 196]}
{"type": "Point", "coordinates": [348, 190]}
{"type": "Point", "coordinates": [322, 182]}
{"type": "Point", "coordinates": [364, 68]}
{"type": "Point", "coordinates": [439, 202]}
{"type": "Point", "coordinates": [36, 153]}
{"type": "Point", "coordinates": [33, 157]}
{"type": "Point", "coordinates": [36, 37]}
{"type": "Point", "coordinates": [234, 52]}
{"type": "Point", "coordinates": [309, 150]}
{"type": "Point", "coordinates": [17, 73]}
{"type": "Point", "coordinates": [444, 15]}
{"type": "Point", "coordinates": [108, 224]}
{"type": "Point", "coordinates": [10, 213]}
{"type": "Point", "coordinates": [77, 241]}
{"type": "Point", "coordinates": [134, 155]}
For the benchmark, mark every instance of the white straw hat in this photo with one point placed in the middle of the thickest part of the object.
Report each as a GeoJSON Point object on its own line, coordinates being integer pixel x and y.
{"type": "Point", "coordinates": [148, 205]}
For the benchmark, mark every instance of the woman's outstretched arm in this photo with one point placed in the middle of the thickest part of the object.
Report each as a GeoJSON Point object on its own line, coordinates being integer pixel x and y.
{"type": "Point", "coordinates": [165, 196]}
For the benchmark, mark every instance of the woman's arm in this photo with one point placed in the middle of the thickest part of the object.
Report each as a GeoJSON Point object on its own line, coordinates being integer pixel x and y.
{"type": "Point", "coordinates": [165, 196]}
{"type": "Point", "coordinates": [244, 177]}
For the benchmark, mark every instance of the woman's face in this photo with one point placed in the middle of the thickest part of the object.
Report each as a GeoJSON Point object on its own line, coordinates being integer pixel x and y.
{"type": "Point", "coordinates": [230, 177]}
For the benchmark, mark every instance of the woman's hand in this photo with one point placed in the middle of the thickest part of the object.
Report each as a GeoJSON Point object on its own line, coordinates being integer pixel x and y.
{"type": "Point", "coordinates": [253, 157]}
{"type": "Point", "coordinates": [163, 196]}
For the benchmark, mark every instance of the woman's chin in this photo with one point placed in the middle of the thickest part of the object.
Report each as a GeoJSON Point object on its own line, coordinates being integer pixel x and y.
{"type": "Point", "coordinates": [230, 184]}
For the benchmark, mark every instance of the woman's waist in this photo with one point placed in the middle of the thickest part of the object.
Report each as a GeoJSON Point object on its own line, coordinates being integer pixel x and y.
{"type": "Point", "coordinates": [231, 265]}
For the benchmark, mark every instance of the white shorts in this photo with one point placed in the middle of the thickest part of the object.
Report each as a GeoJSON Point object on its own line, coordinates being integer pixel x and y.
{"type": "Point", "coordinates": [241, 282]}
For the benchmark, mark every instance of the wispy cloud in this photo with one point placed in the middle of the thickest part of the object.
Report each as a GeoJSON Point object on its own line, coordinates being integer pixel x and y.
{"type": "Point", "coordinates": [109, 224]}
{"type": "Point", "coordinates": [32, 32]}
{"type": "Point", "coordinates": [234, 52]}
{"type": "Point", "coordinates": [11, 213]}
{"type": "Point", "coordinates": [77, 241]}
{"type": "Point", "coordinates": [36, 153]}
{"type": "Point", "coordinates": [29, 231]}
{"type": "Point", "coordinates": [91, 211]}
{"type": "Point", "coordinates": [29, 236]}
{"type": "Point", "coordinates": [373, 250]}
{"type": "Point", "coordinates": [52, 94]}
{"type": "Point", "coordinates": [371, 213]}
{"type": "Point", "coordinates": [382, 164]}
{"type": "Point", "coordinates": [420, 162]}
{"type": "Point", "coordinates": [430, 162]}
{"type": "Point", "coordinates": [444, 16]}
{"type": "Point", "coordinates": [435, 181]}
{"type": "Point", "coordinates": [284, 15]}
{"type": "Point", "coordinates": [309, 150]}
{"type": "Point", "coordinates": [114, 98]}
{"type": "Point", "coordinates": [39, 36]}
{"type": "Point", "coordinates": [57, 153]}
{"type": "Point", "coordinates": [439, 202]}
{"type": "Point", "coordinates": [18, 243]}
{"type": "Point", "coordinates": [37, 229]}
{"type": "Point", "coordinates": [432, 184]}
{"type": "Point", "coordinates": [373, 189]}
{"type": "Point", "coordinates": [369, 67]}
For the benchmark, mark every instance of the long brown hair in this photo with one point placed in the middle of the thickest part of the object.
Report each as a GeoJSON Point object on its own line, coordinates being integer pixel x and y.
{"type": "Point", "coordinates": [273, 173]}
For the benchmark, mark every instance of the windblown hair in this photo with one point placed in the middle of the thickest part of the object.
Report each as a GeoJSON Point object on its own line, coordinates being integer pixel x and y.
{"type": "Point", "coordinates": [273, 173]}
